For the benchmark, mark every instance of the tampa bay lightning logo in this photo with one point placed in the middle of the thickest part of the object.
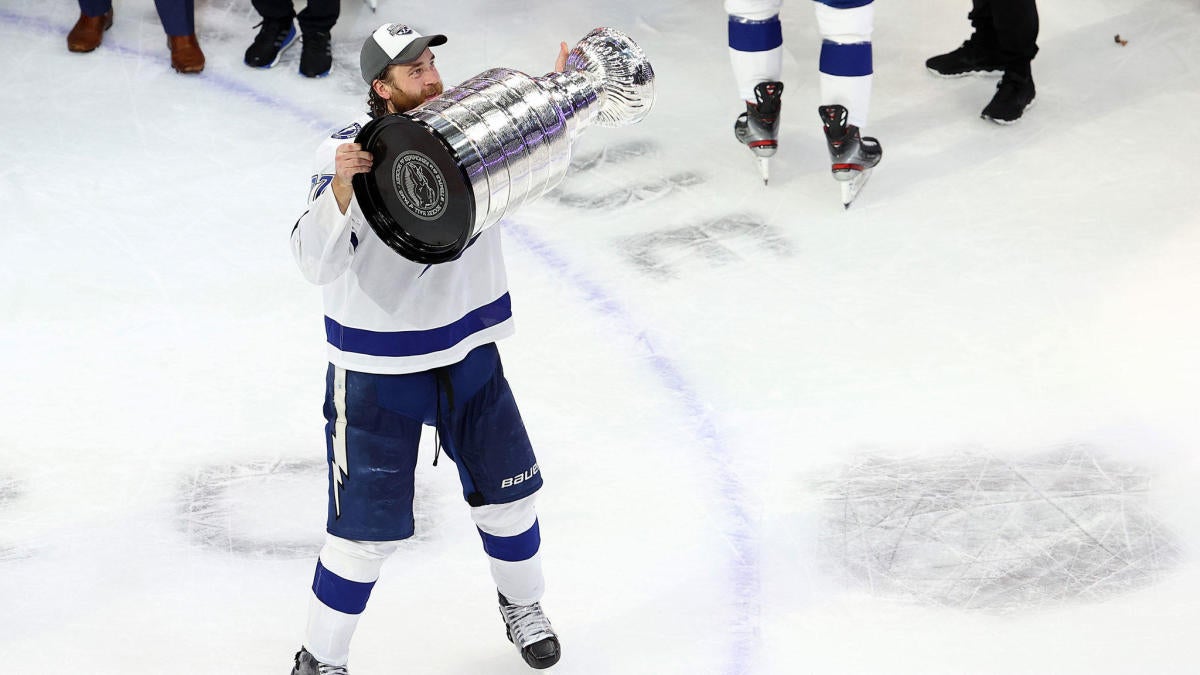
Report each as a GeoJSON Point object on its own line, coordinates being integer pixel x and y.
{"type": "Point", "coordinates": [420, 185]}
{"type": "Point", "coordinates": [348, 132]}
{"type": "Point", "coordinates": [399, 29]}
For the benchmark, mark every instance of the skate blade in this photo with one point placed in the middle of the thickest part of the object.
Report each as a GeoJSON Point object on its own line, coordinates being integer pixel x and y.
{"type": "Point", "coordinates": [764, 167]}
{"type": "Point", "coordinates": [851, 187]}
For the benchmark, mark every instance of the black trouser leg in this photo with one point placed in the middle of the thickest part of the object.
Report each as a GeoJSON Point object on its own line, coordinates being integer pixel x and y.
{"type": "Point", "coordinates": [1008, 28]}
{"type": "Point", "coordinates": [319, 15]}
{"type": "Point", "coordinates": [274, 9]}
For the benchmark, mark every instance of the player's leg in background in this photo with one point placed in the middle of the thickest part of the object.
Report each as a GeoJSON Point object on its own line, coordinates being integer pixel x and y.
{"type": "Point", "coordinates": [755, 43]}
{"type": "Point", "coordinates": [756, 54]}
{"type": "Point", "coordinates": [847, 71]}
{"type": "Point", "coordinates": [846, 65]}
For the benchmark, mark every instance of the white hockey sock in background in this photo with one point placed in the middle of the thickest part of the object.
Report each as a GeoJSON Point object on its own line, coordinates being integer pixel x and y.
{"type": "Point", "coordinates": [755, 43]}
{"type": "Point", "coordinates": [847, 65]}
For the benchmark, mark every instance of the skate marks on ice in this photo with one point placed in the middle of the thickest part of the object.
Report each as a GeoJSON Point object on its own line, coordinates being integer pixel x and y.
{"type": "Point", "coordinates": [611, 154]}
{"type": "Point", "coordinates": [269, 509]}
{"type": "Point", "coordinates": [624, 193]}
{"type": "Point", "coordinates": [722, 241]}
{"type": "Point", "coordinates": [977, 532]}
{"type": "Point", "coordinates": [10, 492]}
{"type": "Point", "coordinates": [630, 194]}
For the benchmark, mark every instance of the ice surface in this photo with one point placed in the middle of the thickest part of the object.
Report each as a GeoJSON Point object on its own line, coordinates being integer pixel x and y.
{"type": "Point", "coordinates": [978, 532]}
{"type": "Point", "coordinates": [707, 366]}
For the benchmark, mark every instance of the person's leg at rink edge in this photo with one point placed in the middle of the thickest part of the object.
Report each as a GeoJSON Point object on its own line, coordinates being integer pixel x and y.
{"type": "Point", "coordinates": [178, 21]}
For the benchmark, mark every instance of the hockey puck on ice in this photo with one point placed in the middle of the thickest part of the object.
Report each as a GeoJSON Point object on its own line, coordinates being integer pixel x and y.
{"type": "Point", "coordinates": [416, 198]}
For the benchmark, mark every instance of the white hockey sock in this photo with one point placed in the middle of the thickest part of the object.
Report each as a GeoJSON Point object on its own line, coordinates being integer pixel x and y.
{"type": "Point", "coordinates": [755, 43]}
{"type": "Point", "coordinates": [346, 573]}
{"type": "Point", "coordinates": [847, 64]}
{"type": "Point", "coordinates": [512, 541]}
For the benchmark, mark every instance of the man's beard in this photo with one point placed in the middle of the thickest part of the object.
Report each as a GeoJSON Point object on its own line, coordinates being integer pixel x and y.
{"type": "Point", "coordinates": [403, 102]}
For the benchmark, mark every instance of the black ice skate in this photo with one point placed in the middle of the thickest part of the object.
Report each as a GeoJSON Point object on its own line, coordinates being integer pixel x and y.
{"type": "Point", "coordinates": [758, 127]}
{"type": "Point", "coordinates": [853, 158]}
{"type": "Point", "coordinates": [307, 664]}
{"type": "Point", "coordinates": [530, 630]}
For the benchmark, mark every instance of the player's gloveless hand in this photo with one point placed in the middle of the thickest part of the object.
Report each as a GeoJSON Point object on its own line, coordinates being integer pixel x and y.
{"type": "Point", "coordinates": [561, 62]}
{"type": "Point", "coordinates": [349, 159]}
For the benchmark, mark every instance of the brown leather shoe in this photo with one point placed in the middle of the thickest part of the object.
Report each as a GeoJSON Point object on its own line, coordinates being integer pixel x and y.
{"type": "Point", "coordinates": [88, 32]}
{"type": "Point", "coordinates": [186, 56]}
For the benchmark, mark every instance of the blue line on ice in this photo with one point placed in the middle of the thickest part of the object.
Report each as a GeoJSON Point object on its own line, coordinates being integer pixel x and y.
{"type": "Point", "coordinates": [741, 535]}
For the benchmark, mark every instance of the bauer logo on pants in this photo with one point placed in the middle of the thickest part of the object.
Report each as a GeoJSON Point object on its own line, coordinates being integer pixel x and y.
{"type": "Point", "coordinates": [420, 185]}
{"type": "Point", "coordinates": [520, 478]}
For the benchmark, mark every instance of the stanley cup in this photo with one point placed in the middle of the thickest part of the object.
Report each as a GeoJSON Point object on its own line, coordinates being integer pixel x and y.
{"type": "Point", "coordinates": [458, 163]}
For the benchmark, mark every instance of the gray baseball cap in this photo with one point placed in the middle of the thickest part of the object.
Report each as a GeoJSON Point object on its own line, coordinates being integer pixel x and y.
{"type": "Point", "coordinates": [393, 44]}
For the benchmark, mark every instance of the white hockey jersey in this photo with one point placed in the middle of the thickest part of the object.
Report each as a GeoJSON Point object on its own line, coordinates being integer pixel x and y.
{"type": "Point", "coordinates": [383, 312]}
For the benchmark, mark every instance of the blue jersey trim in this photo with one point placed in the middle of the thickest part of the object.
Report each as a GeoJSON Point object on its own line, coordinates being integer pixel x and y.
{"type": "Point", "coordinates": [845, 4]}
{"type": "Point", "coordinates": [343, 595]}
{"type": "Point", "coordinates": [853, 60]}
{"type": "Point", "coordinates": [418, 342]}
{"type": "Point", "coordinates": [513, 549]}
{"type": "Point", "coordinates": [755, 36]}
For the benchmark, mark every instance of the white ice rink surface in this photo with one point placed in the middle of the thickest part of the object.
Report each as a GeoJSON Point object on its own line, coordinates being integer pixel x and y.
{"type": "Point", "coordinates": [951, 430]}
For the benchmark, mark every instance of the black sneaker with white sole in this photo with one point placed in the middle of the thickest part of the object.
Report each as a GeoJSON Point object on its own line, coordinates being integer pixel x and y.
{"type": "Point", "coordinates": [274, 37]}
{"type": "Point", "coordinates": [969, 59]}
{"type": "Point", "coordinates": [316, 54]}
{"type": "Point", "coordinates": [1014, 95]}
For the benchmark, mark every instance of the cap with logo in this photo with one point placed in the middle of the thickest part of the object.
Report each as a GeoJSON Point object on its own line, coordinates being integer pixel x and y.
{"type": "Point", "coordinates": [393, 44]}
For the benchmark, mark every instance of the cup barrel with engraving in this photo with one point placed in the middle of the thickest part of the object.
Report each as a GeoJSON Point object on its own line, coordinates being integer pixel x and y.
{"type": "Point", "coordinates": [509, 136]}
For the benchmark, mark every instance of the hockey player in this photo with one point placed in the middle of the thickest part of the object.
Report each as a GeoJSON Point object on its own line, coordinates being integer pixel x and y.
{"type": "Point", "coordinates": [846, 70]}
{"type": "Point", "coordinates": [411, 345]}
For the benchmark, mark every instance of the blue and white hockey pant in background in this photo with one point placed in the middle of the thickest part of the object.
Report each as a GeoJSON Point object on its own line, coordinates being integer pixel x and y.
{"type": "Point", "coordinates": [374, 424]}
{"type": "Point", "coordinates": [846, 65]}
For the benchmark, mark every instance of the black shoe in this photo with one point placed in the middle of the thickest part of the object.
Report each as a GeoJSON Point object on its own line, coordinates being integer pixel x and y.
{"type": "Point", "coordinates": [969, 59]}
{"type": "Point", "coordinates": [274, 36]}
{"type": "Point", "coordinates": [530, 630]}
{"type": "Point", "coordinates": [316, 55]}
{"type": "Point", "coordinates": [1014, 95]}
